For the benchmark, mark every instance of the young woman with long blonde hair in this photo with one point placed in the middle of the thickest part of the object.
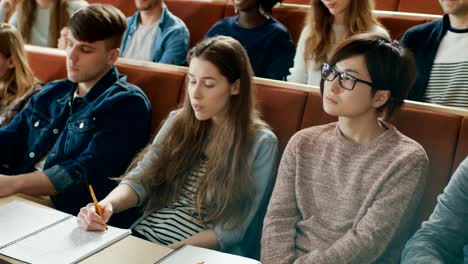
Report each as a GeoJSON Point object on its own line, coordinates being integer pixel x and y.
{"type": "Point", "coordinates": [40, 21]}
{"type": "Point", "coordinates": [327, 23]}
{"type": "Point", "coordinates": [17, 81]}
{"type": "Point", "coordinates": [211, 166]}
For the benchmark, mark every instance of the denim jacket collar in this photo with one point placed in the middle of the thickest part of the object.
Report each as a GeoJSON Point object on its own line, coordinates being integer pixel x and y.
{"type": "Point", "coordinates": [102, 85]}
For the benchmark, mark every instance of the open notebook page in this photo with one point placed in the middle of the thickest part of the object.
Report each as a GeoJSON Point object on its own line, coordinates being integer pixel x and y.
{"type": "Point", "coordinates": [18, 219]}
{"type": "Point", "coordinates": [194, 255]}
{"type": "Point", "coordinates": [63, 243]}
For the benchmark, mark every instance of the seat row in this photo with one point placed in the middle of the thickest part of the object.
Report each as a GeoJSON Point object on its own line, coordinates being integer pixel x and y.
{"type": "Point", "coordinates": [442, 131]}
{"type": "Point", "coordinates": [412, 6]}
{"type": "Point", "coordinates": [201, 15]}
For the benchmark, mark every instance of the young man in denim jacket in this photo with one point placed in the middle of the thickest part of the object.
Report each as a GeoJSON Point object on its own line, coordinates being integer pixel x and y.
{"type": "Point", "coordinates": [443, 238]}
{"type": "Point", "coordinates": [155, 34]}
{"type": "Point", "coordinates": [85, 129]}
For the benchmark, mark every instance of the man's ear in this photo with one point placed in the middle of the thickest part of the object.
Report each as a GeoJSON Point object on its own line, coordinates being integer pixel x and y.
{"type": "Point", "coordinates": [113, 56]}
{"type": "Point", "coordinates": [380, 98]}
{"type": "Point", "coordinates": [235, 88]}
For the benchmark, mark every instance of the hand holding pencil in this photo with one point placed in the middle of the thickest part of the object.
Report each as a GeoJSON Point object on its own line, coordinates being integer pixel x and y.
{"type": "Point", "coordinates": [95, 215]}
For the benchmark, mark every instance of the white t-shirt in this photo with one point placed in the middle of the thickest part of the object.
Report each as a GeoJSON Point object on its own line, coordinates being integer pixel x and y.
{"type": "Point", "coordinates": [140, 43]}
{"type": "Point", "coordinates": [308, 73]}
{"type": "Point", "coordinates": [448, 83]}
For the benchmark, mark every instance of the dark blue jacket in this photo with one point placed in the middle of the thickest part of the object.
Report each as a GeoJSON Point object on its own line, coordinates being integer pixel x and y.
{"type": "Point", "coordinates": [269, 46]}
{"type": "Point", "coordinates": [93, 140]}
{"type": "Point", "coordinates": [423, 40]}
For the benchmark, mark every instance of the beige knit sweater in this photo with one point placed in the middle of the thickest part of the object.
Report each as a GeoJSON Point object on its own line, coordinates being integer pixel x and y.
{"type": "Point", "coordinates": [336, 201]}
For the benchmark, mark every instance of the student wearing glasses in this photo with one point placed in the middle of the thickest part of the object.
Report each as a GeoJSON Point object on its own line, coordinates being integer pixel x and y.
{"type": "Point", "coordinates": [347, 191]}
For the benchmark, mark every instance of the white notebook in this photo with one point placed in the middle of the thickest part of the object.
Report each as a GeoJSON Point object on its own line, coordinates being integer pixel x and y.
{"type": "Point", "coordinates": [37, 234]}
{"type": "Point", "coordinates": [197, 255]}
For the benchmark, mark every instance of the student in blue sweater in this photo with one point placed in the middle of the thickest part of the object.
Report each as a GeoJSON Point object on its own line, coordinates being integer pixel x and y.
{"type": "Point", "coordinates": [268, 43]}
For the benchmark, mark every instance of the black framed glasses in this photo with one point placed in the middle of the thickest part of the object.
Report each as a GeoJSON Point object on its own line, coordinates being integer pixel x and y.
{"type": "Point", "coordinates": [346, 81]}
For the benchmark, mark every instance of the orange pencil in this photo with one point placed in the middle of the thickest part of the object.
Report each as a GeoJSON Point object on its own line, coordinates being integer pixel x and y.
{"type": "Point", "coordinates": [96, 204]}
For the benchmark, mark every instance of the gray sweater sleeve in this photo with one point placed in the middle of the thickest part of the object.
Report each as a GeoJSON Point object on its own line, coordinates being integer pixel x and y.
{"type": "Point", "coordinates": [150, 157]}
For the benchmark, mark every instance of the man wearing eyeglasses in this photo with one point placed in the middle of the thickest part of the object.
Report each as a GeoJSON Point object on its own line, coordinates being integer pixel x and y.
{"type": "Point", "coordinates": [442, 61]}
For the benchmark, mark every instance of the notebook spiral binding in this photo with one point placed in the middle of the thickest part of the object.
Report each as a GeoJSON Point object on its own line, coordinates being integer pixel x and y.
{"type": "Point", "coordinates": [36, 232]}
{"type": "Point", "coordinates": [161, 261]}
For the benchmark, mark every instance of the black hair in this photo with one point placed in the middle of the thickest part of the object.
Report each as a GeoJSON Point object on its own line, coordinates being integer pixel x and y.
{"type": "Point", "coordinates": [390, 66]}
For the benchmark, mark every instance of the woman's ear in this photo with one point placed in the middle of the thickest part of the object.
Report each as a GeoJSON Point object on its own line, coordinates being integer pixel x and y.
{"type": "Point", "coordinates": [11, 63]}
{"type": "Point", "coordinates": [380, 98]}
{"type": "Point", "coordinates": [235, 87]}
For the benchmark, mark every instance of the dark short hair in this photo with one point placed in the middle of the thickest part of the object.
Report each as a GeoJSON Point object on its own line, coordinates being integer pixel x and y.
{"type": "Point", "coordinates": [99, 22]}
{"type": "Point", "coordinates": [267, 5]}
{"type": "Point", "coordinates": [390, 66]}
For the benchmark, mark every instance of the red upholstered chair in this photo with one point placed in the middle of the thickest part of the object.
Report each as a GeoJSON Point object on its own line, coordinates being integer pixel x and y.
{"type": "Point", "coordinates": [126, 6]}
{"type": "Point", "coordinates": [389, 5]}
{"type": "Point", "coordinates": [47, 64]}
{"type": "Point", "coordinates": [198, 15]}
{"type": "Point", "coordinates": [398, 25]}
{"type": "Point", "coordinates": [163, 88]}
{"type": "Point", "coordinates": [282, 109]}
{"type": "Point", "coordinates": [462, 147]}
{"type": "Point", "coordinates": [297, 2]}
{"type": "Point", "coordinates": [420, 6]}
{"type": "Point", "coordinates": [438, 133]}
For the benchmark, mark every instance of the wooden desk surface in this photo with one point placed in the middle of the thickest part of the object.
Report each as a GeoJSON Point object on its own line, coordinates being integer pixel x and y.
{"type": "Point", "coordinates": [128, 250]}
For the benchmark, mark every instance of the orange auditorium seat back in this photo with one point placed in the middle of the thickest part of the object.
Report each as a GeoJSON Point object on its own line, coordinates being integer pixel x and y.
{"type": "Point", "coordinates": [126, 6]}
{"type": "Point", "coordinates": [199, 16]}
